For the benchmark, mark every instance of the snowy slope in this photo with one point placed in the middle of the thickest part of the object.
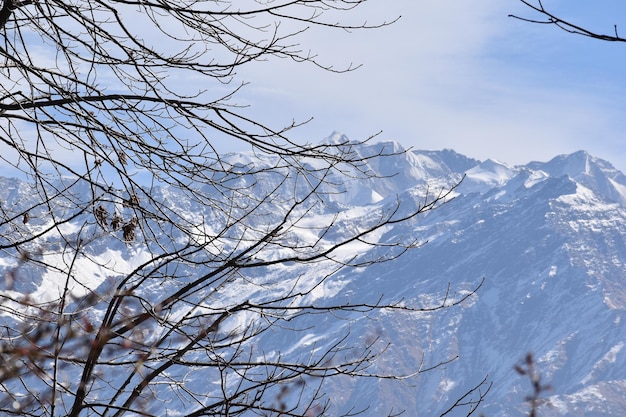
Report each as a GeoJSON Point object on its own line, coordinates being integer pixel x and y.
{"type": "Point", "coordinates": [553, 252]}
{"type": "Point", "coordinates": [548, 237]}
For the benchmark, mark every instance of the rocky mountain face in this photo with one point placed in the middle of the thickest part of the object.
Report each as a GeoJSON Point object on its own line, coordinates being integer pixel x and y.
{"type": "Point", "coordinates": [548, 238]}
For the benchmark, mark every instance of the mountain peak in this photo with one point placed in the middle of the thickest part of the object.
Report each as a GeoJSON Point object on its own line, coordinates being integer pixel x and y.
{"type": "Point", "coordinates": [594, 173]}
{"type": "Point", "coordinates": [486, 175]}
{"type": "Point", "coordinates": [448, 158]}
{"type": "Point", "coordinates": [572, 165]}
{"type": "Point", "coordinates": [336, 138]}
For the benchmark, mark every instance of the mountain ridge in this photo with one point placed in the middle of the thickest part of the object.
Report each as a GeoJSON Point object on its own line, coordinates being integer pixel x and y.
{"type": "Point", "coordinates": [547, 237]}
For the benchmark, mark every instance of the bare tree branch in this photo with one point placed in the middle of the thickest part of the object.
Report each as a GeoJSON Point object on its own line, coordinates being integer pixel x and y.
{"type": "Point", "coordinates": [549, 18]}
{"type": "Point", "coordinates": [170, 265]}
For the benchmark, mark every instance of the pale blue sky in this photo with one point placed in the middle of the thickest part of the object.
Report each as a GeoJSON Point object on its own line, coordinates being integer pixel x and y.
{"type": "Point", "coordinates": [461, 75]}
{"type": "Point", "coordinates": [456, 74]}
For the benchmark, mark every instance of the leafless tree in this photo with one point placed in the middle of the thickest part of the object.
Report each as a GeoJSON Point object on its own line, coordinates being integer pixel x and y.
{"type": "Point", "coordinates": [548, 17]}
{"type": "Point", "coordinates": [139, 94]}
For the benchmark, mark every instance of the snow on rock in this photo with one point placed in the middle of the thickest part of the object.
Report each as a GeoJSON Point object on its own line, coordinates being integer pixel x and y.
{"type": "Point", "coordinates": [548, 237]}
{"type": "Point", "coordinates": [487, 175]}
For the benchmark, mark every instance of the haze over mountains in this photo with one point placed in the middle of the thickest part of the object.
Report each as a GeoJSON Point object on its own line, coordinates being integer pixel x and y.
{"type": "Point", "coordinates": [549, 238]}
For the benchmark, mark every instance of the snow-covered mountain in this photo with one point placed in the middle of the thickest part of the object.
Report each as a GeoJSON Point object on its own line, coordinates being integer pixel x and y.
{"type": "Point", "coordinates": [549, 238]}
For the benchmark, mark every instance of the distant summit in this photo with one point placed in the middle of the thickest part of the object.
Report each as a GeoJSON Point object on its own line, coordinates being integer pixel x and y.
{"type": "Point", "coordinates": [593, 173]}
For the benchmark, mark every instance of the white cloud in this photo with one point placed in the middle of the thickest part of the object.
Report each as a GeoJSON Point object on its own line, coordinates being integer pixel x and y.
{"type": "Point", "coordinates": [454, 74]}
{"type": "Point", "coordinates": [461, 75]}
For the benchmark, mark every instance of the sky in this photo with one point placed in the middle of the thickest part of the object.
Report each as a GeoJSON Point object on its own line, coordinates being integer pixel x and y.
{"type": "Point", "coordinates": [455, 74]}
{"type": "Point", "coordinates": [460, 75]}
